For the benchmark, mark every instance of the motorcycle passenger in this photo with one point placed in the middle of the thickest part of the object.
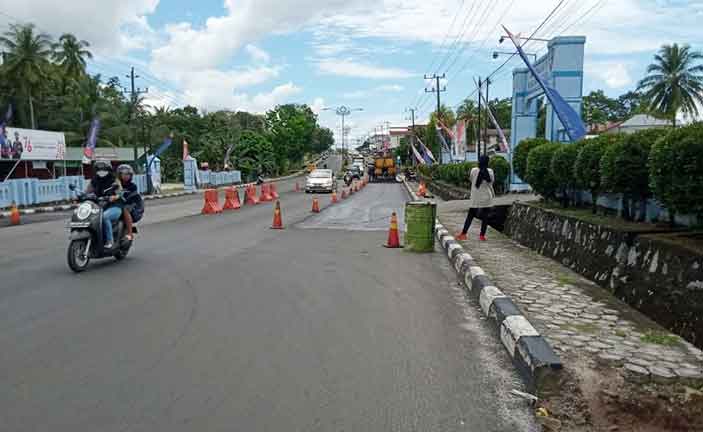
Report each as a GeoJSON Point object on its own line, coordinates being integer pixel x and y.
{"type": "Point", "coordinates": [104, 184]}
{"type": "Point", "coordinates": [133, 204]}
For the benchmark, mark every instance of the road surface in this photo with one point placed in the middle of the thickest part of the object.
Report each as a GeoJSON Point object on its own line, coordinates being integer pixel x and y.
{"type": "Point", "coordinates": [218, 323]}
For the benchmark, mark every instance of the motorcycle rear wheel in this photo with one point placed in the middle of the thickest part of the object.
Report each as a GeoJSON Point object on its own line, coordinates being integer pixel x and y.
{"type": "Point", "coordinates": [76, 260]}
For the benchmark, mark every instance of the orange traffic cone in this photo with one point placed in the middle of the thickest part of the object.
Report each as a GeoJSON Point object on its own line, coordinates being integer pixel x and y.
{"type": "Point", "coordinates": [277, 220]}
{"type": "Point", "coordinates": [274, 192]}
{"type": "Point", "coordinates": [422, 190]}
{"type": "Point", "coordinates": [334, 197]}
{"type": "Point", "coordinates": [232, 199]}
{"type": "Point", "coordinates": [344, 193]}
{"type": "Point", "coordinates": [14, 214]}
{"type": "Point", "coordinates": [315, 205]}
{"type": "Point", "coordinates": [393, 239]}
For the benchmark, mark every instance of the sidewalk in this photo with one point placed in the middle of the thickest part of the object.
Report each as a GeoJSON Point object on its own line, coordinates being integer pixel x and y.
{"type": "Point", "coordinates": [607, 346]}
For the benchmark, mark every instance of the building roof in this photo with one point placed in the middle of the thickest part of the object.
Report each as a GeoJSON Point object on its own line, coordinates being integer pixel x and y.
{"type": "Point", "coordinates": [644, 120]}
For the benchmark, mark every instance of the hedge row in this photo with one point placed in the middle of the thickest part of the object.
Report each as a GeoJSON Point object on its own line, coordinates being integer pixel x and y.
{"type": "Point", "coordinates": [666, 164]}
{"type": "Point", "coordinates": [458, 173]}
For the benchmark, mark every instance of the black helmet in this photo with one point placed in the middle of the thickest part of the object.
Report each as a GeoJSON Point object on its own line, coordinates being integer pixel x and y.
{"type": "Point", "coordinates": [125, 169]}
{"type": "Point", "coordinates": [102, 169]}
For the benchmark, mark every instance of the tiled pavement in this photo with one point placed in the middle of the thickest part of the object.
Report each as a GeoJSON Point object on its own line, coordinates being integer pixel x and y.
{"type": "Point", "coordinates": [577, 317]}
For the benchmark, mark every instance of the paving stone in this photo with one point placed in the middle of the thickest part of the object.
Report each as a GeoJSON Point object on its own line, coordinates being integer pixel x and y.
{"type": "Point", "coordinates": [600, 345]}
{"type": "Point", "coordinates": [661, 375]}
{"type": "Point", "coordinates": [639, 361]}
{"type": "Point", "coordinates": [591, 349]}
{"type": "Point", "coordinates": [589, 316]}
{"type": "Point", "coordinates": [612, 318]}
{"type": "Point", "coordinates": [610, 359]}
{"type": "Point", "coordinates": [575, 343]}
{"type": "Point", "coordinates": [635, 373]}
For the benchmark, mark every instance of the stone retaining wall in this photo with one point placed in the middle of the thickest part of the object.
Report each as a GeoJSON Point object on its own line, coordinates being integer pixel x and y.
{"type": "Point", "coordinates": [651, 272]}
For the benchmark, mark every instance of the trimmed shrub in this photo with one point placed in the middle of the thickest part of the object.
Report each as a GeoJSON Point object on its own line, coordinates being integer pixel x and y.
{"type": "Point", "coordinates": [624, 167]}
{"type": "Point", "coordinates": [501, 169]}
{"type": "Point", "coordinates": [521, 153]}
{"type": "Point", "coordinates": [562, 167]}
{"type": "Point", "coordinates": [456, 174]}
{"type": "Point", "coordinates": [676, 170]}
{"type": "Point", "coordinates": [587, 167]}
{"type": "Point", "coordinates": [539, 170]}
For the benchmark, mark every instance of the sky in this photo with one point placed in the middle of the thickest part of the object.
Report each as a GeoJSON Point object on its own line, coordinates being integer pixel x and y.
{"type": "Point", "coordinates": [372, 55]}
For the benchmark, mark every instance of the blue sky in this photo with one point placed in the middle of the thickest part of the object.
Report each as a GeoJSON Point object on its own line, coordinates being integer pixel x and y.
{"type": "Point", "coordinates": [254, 54]}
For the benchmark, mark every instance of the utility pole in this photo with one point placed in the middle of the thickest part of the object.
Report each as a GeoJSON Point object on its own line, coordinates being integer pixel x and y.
{"type": "Point", "coordinates": [478, 125]}
{"type": "Point", "coordinates": [412, 135]}
{"type": "Point", "coordinates": [485, 128]}
{"type": "Point", "coordinates": [134, 97]}
{"type": "Point", "coordinates": [437, 89]}
{"type": "Point", "coordinates": [135, 91]}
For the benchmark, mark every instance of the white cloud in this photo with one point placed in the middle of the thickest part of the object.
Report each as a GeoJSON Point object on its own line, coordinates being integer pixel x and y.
{"type": "Point", "coordinates": [317, 104]}
{"type": "Point", "coordinates": [390, 88]}
{"type": "Point", "coordinates": [386, 88]}
{"type": "Point", "coordinates": [216, 97]}
{"type": "Point", "coordinates": [109, 25]}
{"type": "Point", "coordinates": [615, 74]}
{"type": "Point", "coordinates": [257, 54]}
{"type": "Point", "coordinates": [350, 68]}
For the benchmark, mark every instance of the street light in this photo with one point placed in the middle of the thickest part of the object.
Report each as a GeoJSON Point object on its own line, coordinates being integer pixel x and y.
{"type": "Point", "coordinates": [496, 54]}
{"type": "Point", "coordinates": [342, 111]}
{"type": "Point", "coordinates": [503, 38]}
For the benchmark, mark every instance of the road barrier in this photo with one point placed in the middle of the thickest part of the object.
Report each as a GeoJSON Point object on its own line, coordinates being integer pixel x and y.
{"type": "Point", "coordinates": [315, 205]}
{"type": "Point", "coordinates": [232, 199]}
{"type": "Point", "coordinates": [274, 192]}
{"type": "Point", "coordinates": [265, 195]}
{"type": "Point", "coordinates": [250, 195]}
{"type": "Point", "coordinates": [334, 197]}
{"type": "Point", "coordinates": [211, 205]}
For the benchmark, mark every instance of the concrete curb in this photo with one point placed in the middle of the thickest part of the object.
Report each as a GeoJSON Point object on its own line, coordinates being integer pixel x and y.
{"type": "Point", "coordinates": [532, 355]}
{"type": "Point", "coordinates": [66, 207]}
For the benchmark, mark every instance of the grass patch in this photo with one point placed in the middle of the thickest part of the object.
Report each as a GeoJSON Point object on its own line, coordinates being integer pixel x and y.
{"type": "Point", "coordinates": [566, 280]}
{"type": "Point", "coordinates": [584, 328]}
{"type": "Point", "coordinates": [659, 338]}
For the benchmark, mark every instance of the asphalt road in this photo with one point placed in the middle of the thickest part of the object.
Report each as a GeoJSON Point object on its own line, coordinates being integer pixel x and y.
{"type": "Point", "coordinates": [217, 323]}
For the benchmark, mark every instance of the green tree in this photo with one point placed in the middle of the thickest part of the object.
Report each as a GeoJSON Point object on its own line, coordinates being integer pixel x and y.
{"type": "Point", "coordinates": [539, 170]}
{"type": "Point", "coordinates": [587, 166]}
{"type": "Point", "coordinates": [522, 150]}
{"type": "Point", "coordinates": [71, 54]}
{"type": "Point", "coordinates": [625, 168]}
{"type": "Point", "coordinates": [674, 82]}
{"type": "Point", "coordinates": [254, 154]}
{"type": "Point", "coordinates": [562, 167]}
{"type": "Point", "coordinates": [599, 108]}
{"type": "Point", "coordinates": [676, 170]}
{"type": "Point", "coordinates": [26, 61]}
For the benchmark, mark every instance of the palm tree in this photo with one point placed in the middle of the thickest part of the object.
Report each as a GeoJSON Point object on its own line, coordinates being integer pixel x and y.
{"type": "Point", "coordinates": [675, 81]}
{"type": "Point", "coordinates": [71, 54]}
{"type": "Point", "coordinates": [26, 60]}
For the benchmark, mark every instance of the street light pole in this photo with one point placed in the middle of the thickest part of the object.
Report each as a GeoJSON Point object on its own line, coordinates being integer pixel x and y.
{"type": "Point", "coordinates": [343, 111]}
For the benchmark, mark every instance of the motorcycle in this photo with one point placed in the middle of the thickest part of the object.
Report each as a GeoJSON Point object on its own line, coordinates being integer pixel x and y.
{"type": "Point", "coordinates": [86, 238]}
{"type": "Point", "coordinates": [348, 179]}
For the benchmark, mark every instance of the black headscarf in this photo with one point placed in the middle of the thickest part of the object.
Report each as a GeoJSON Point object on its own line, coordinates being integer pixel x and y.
{"type": "Point", "coordinates": [483, 174]}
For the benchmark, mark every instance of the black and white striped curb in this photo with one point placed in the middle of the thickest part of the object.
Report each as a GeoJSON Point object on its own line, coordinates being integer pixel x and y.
{"type": "Point", "coordinates": [533, 356]}
{"type": "Point", "coordinates": [66, 207]}
{"type": "Point", "coordinates": [530, 352]}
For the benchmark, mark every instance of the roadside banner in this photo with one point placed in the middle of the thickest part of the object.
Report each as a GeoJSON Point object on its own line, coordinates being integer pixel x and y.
{"type": "Point", "coordinates": [163, 147]}
{"type": "Point", "coordinates": [567, 115]}
{"type": "Point", "coordinates": [30, 144]}
{"type": "Point", "coordinates": [427, 154]}
{"type": "Point", "coordinates": [91, 141]}
{"type": "Point", "coordinates": [417, 155]}
{"type": "Point", "coordinates": [185, 149]}
{"type": "Point", "coordinates": [442, 140]}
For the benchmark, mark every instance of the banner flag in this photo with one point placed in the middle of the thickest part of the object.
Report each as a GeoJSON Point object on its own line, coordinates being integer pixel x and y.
{"type": "Point", "coordinates": [446, 129]}
{"type": "Point", "coordinates": [7, 118]}
{"type": "Point", "coordinates": [185, 149]}
{"type": "Point", "coordinates": [91, 141]}
{"type": "Point", "coordinates": [428, 156]}
{"type": "Point", "coordinates": [417, 155]}
{"type": "Point", "coordinates": [443, 141]}
{"type": "Point", "coordinates": [503, 142]}
{"type": "Point", "coordinates": [567, 115]}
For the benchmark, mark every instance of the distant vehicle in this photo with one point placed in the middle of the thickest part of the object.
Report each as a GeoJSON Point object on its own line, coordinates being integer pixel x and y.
{"type": "Point", "coordinates": [321, 180]}
{"type": "Point", "coordinates": [356, 172]}
{"type": "Point", "coordinates": [384, 169]}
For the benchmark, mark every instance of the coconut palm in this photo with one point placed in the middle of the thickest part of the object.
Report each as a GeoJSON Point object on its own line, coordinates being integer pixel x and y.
{"type": "Point", "coordinates": [26, 60]}
{"type": "Point", "coordinates": [674, 82]}
{"type": "Point", "coordinates": [71, 54]}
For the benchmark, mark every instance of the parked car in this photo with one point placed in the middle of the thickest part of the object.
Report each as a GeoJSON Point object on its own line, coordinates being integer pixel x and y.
{"type": "Point", "coordinates": [321, 180]}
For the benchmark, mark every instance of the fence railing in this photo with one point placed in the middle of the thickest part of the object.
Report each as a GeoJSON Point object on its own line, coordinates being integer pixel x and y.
{"type": "Point", "coordinates": [31, 191]}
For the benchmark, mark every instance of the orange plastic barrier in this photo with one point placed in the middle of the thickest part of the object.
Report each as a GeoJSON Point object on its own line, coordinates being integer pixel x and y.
{"type": "Point", "coordinates": [265, 195]}
{"type": "Point", "coordinates": [212, 204]}
{"type": "Point", "coordinates": [232, 199]}
{"type": "Point", "coordinates": [250, 195]}
{"type": "Point", "coordinates": [274, 192]}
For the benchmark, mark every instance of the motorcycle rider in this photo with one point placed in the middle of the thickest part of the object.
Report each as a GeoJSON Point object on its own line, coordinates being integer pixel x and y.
{"type": "Point", "coordinates": [104, 184]}
{"type": "Point", "coordinates": [133, 204]}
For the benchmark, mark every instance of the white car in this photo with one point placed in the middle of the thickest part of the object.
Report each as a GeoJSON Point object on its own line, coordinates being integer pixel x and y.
{"type": "Point", "coordinates": [320, 180]}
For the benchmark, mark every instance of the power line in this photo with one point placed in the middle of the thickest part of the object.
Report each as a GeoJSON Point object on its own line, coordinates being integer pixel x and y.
{"type": "Point", "coordinates": [473, 13]}
{"type": "Point", "coordinates": [474, 33]}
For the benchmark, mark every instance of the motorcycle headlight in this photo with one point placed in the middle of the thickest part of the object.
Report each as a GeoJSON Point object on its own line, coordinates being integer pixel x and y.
{"type": "Point", "coordinates": [83, 211]}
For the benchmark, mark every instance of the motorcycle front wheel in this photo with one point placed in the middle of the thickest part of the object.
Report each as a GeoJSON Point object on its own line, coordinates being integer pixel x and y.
{"type": "Point", "coordinates": [77, 261]}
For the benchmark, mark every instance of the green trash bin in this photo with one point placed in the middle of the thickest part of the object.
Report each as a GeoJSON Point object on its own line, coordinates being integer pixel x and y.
{"type": "Point", "coordinates": [420, 219]}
